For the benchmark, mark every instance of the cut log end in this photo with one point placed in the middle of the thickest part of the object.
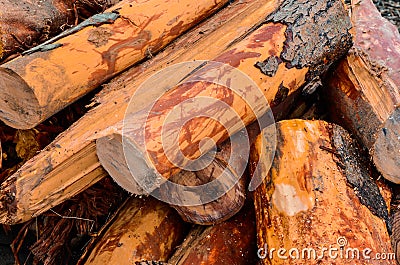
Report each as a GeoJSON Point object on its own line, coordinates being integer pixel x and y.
{"type": "Point", "coordinates": [18, 104]}
{"type": "Point", "coordinates": [387, 148]}
{"type": "Point", "coordinates": [217, 210]}
{"type": "Point", "coordinates": [111, 153]}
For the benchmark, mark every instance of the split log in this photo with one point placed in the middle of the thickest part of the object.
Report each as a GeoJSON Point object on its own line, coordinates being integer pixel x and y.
{"type": "Point", "coordinates": [289, 51]}
{"type": "Point", "coordinates": [230, 242]}
{"type": "Point", "coordinates": [319, 193]}
{"type": "Point", "coordinates": [53, 175]}
{"type": "Point", "coordinates": [367, 86]}
{"type": "Point", "coordinates": [142, 229]}
{"type": "Point", "coordinates": [61, 70]}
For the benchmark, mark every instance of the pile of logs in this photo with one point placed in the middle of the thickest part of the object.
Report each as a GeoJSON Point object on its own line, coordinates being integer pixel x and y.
{"type": "Point", "coordinates": [310, 191]}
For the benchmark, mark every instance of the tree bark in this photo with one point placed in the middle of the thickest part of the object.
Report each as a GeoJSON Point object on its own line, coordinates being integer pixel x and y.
{"type": "Point", "coordinates": [319, 193]}
{"type": "Point", "coordinates": [25, 24]}
{"type": "Point", "coordinates": [54, 74]}
{"type": "Point", "coordinates": [285, 64]}
{"type": "Point", "coordinates": [25, 195]}
{"type": "Point", "coordinates": [142, 229]}
{"type": "Point", "coordinates": [230, 242]}
{"type": "Point", "coordinates": [364, 88]}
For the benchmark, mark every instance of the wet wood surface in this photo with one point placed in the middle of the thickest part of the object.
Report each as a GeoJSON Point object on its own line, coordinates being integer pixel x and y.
{"type": "Point", "coordinates": [142, 229]}
{"type": "Point", "coordinates": [319, 193]}
{"type": "Point", "coordinates": [230, 242]}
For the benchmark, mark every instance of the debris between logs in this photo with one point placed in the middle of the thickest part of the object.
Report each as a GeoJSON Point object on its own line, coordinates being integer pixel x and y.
{"type": "Point", "coordinates": [197, 122]}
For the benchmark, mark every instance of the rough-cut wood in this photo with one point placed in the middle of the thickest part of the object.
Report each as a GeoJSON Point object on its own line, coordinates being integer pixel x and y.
{"type": "Point", "coordinates": [56, 73]}
{"type": "Point", "coordinates": [317, 194]}
{"type": "Point", "coordinates": [230, 242]}
{"type": "Point", "coordinates": [21, 198]}
{"type": "Point", "coordinates": [365, 88]}
{"type": "Point", "coordinates": [293, 46]}
{"type": "Point", "coordinates": [142, 229]}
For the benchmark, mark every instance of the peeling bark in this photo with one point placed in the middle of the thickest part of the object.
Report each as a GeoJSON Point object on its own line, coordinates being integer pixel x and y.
{"type": "Point", "coordinates": [25, 24]}
{"type": "Point", "coordinates": [318, 191]}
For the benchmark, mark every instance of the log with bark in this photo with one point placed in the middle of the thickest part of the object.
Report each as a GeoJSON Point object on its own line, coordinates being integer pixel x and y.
{"type": "Point", "coordinates": [366, 83]}
{"type": "Point", "coordinates": [142, 229]}
{"type": "Point", "coordinates": [25, 24]}
{"type": "Point", "coordinates": [59, 71]}
{"type": "Point", "coordinates": [293, 46]}
{"type": "Point", "coordinates": [69, 164]}
{"type": "Point", "coordinates": [318, 201]}
{"type": "Point", "coordinates": [230, 242]}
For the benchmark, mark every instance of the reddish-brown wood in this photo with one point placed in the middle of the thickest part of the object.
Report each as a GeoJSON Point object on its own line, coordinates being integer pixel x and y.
{"type": "Point", "coordinates": [231, 179]}
{"type": "Point", "coordinates": [319, 193]}
{"type": "Point", "coordinates": [24, 24]}
{"type": "Point", "coordinates": [230, 242]}
{"type": "Point", "coordinates": [142, 229]}
{"type": "Point", "coordinates": [363, 91]}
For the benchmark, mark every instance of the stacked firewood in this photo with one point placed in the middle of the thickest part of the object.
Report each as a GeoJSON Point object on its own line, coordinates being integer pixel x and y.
{"type": "Point", "coordinates": [90, 90]}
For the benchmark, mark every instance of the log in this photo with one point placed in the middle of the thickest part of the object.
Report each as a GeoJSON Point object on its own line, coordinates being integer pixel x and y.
{"type": "Point", "coordinates": [54, 74]}
{"type": "Point", "coordinates": [142, 229]}
{"type": "Point", "coordinates": [206, 206]}
{"type": "Point", "coordinates": [289, 52]}
{"type": "Point", "coordinates": [319, 200]}
{"type": "Point", "coordinates": [25, 24]}
{"type": "Point", "coordinates": [26, 193]}
{"type": "Point", "coordinates": [366, 83]}
{"type": "Point", "coordinates": [230, 242]}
